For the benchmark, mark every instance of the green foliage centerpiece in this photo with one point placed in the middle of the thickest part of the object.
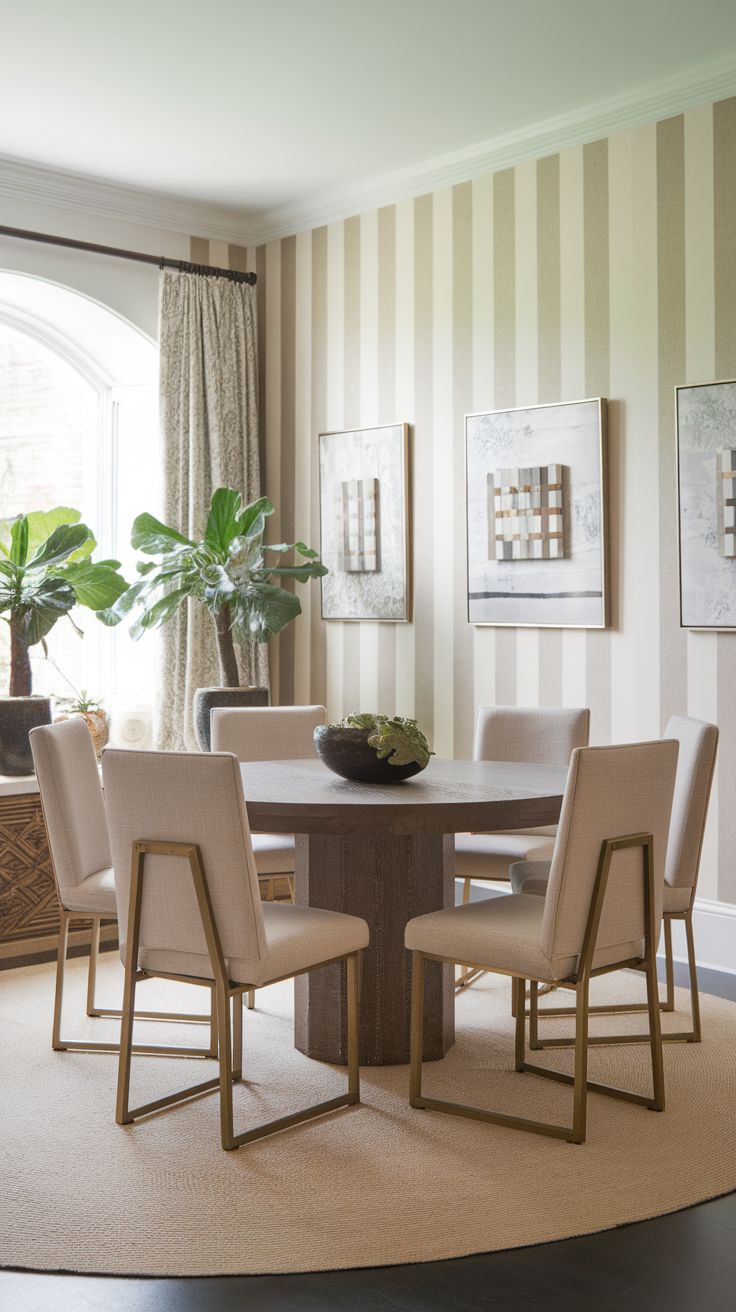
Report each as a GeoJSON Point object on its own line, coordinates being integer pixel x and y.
{"type": "Point", "coordinates": [372, 748]}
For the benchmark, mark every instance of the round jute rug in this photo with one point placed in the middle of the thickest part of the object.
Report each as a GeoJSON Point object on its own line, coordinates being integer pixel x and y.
{"type": "Point", "coordinates": [371, 1185]}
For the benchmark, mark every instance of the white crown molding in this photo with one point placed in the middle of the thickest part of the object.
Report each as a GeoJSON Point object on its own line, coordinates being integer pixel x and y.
{"type": "Point", "coordinates": [658, 98]}
{"type": "Point", "coordinates": [645, 102]}
{"type": "Point", "coordinates": [71, 191]}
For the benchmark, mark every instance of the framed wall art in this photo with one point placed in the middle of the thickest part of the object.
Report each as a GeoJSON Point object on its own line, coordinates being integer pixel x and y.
{"type": "Point", "coordinates": [537, 494]}
{"type": "Point", "coordinates": [706, 497]}
{"type": "Point", "coordinates": [365, 523]}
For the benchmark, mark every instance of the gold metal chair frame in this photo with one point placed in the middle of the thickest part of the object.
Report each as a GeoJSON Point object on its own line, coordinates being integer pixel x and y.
{"type": "Point", "coordinates": [84, 1045]}
{"type": "Point", "coordinates": [230, 1048]}
{"type": "Point", "coordinates": [580, 984]}
{"type": "Point", "coordinates": [59, 1044]}
{"type": "Point", "coordinates": [693, 1035]}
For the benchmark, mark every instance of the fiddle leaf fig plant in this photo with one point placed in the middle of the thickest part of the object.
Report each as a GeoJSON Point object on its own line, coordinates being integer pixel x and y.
{"type": "Point", "coordinates": [45, 570]}
{"type": "Point", "coordinates": [398, 739]}
{"type": "Point", "coordinates": [227, 571]}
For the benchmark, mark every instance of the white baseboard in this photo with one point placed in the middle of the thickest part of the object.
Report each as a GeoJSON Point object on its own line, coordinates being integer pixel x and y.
{"type": "Point", "coordinates": [714, 929]}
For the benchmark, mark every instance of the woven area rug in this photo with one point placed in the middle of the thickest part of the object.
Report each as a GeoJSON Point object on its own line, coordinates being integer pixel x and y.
{"type": "Point", "coordinates": [372, 1185]}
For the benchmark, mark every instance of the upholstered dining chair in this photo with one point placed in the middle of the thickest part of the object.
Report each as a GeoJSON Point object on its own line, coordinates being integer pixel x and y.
{"type": "Point", "coordinates": [697, 760]}
{"type": "Point", "coordinates": [74, 813]}
{"type": "Point", "coordinates": [190, 910]}
{"type": "Point", "coordinates": [602, 913]}
{"type": "Point", "coordinates": [268, 733]}
{"type": "Point", "coordinates": [541, 735]}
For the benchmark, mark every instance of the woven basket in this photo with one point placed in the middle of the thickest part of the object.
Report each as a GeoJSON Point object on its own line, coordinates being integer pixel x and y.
{"type": "Point", "coordinates": [99, 727]}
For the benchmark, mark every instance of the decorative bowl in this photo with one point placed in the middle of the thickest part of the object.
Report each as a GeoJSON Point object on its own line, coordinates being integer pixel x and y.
{"type": "Point", "coordinates": [345, 751]}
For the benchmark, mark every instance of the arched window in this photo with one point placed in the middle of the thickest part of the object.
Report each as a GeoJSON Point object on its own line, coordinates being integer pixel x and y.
{"type": "Point", "coordinates": [78, 427]}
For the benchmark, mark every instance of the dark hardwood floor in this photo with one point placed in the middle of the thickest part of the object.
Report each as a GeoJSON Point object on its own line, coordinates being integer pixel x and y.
{"type": "Point", "coordinates": [685, 1262]}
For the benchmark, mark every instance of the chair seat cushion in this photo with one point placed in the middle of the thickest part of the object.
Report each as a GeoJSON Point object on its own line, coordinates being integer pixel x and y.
{"type": "Point", "coordinates": [488, 856]}
{"type": "Point", "coordinates": [297, 938]}
{"type": "Point", "coordinates": [95, 895]}
{"type": "Point", "coordinates": [500, 933]}
{"type": "Point", "coordinates": [274, 853]}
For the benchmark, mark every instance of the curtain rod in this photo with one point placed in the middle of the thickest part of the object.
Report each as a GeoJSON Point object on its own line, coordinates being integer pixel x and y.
{"type": "Point", "coordinates": [163, 261]}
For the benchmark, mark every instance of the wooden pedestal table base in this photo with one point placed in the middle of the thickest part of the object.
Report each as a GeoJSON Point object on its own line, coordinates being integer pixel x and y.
{"type": "Point", "coordinates": [386, 853]}
{"type": "Point", "coordinates": [386, 880]}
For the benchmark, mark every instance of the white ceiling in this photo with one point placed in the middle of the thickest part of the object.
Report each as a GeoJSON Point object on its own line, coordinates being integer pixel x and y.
{"type": "Point", "coordinates": [259, 109]}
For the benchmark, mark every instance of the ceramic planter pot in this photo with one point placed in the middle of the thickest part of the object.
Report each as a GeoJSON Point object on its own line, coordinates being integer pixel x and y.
{"type": "Point", "coordinates": [18, 715]}
{"type": "Point", "coordinates": [206, 699]}
{"type": "Point", "coordinates": [345, 751]}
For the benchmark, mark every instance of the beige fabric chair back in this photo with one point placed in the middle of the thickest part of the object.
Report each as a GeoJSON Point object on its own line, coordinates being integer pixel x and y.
{"type": "Point", "coordinates": [184, 797]}
{"type": "Point", "coordinates": [267, 733]}
{"type": "Point", "coordinates": [542, 735]}
{"type": "Point", "coordinates": [610, 792]}
{"type": "Point", "coordinates": [71, 793]}
{"type": "Point", "coordinates": [698, 747]}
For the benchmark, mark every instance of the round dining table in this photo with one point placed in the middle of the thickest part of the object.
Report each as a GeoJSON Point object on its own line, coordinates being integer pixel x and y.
{"type": "Point", "coordinates": [387, 853]}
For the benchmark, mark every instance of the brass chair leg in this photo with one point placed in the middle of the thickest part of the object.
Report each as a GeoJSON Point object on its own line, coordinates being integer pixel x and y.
{"type": "Point", "coordinates": [693, 1035]}
{"type": "Point", "coordinates": [290, 881]}
{"type": "Point", "coordinates": [417, 1029]}
{"type": "Point", "coordinates": [237, 1008]}
{"type": "Point", "coordinates": [82, 1045]}
{"type": "Point", "coordinates": [56, 1041]}
{"type": "Point", "coordinates": [580, 1094]}
{"type": "Point", "coordinates": [669, 965]}
{"type": "Point", "coordinates": [251, 996]}
{"type": "Point", "coordinates": [94, 953]}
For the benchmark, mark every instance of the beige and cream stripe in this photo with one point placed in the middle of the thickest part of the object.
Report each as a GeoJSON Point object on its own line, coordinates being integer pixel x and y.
{"type": "Point", "coordinates": [609, 269]}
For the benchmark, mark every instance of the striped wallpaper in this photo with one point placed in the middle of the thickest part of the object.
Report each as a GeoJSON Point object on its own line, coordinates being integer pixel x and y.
{"type": "Point", "coordinates": [608, 269]}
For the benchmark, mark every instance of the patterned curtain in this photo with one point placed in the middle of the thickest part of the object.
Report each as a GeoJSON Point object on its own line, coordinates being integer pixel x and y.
{"type": "Point", "coordinates": [209, 424]}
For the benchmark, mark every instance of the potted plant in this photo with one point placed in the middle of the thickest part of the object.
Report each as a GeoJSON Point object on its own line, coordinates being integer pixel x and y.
{"type": "Point", "coordinates": [225, 571]}
{"type": "Point", "coordinates": [373, 749]}
{"type": "Point", "coordinates": [45, 570]}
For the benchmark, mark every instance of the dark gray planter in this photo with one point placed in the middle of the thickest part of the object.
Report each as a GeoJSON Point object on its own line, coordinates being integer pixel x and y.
{"type": "Point", "coordinates": [205, 699]}
{"type": "Point", "coordinates": [18, 715]}
{"type": "Point", "coordinates": [345, 751]}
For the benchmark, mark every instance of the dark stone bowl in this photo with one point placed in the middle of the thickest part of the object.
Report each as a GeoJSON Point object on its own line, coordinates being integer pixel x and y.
{"type": "Point", "coordinates": [345, 751]}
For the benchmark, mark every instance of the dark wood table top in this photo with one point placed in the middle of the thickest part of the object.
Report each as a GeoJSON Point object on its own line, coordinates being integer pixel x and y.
{"type": "Point", "coordinates": [449, 797]}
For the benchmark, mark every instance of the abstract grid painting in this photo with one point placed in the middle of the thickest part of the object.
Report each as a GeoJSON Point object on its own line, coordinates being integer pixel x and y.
{"type": "Point", "coordinates": [537, 516]}
{"type": "Point", "coordinates": [525, 513]}
{"type": "Point", "coordinates": [364, 523]}
{"type": "Point", "coordinates": [706, 473]}
{"type": "Point", "coordinates": [360, 525]}
{"type": "Point", "coordinates": [727, 497]}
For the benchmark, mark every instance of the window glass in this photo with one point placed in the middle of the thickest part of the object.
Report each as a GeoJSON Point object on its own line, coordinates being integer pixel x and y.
{"type": "Point", "coordinates": [48, 421]}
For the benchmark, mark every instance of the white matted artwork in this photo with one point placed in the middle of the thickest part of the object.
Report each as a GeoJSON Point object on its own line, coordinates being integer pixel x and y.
{"type": "Point", "coordinates": [365, 523]}
{"type": "Point", "coordinates": [537, 516]}
{"type": "Point", "coordinates": [706, 478]}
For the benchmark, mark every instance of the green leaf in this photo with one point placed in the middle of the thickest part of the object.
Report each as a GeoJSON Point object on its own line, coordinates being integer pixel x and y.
{"type": "Point", "coordinates": [95, 586]}
{"type": "Point", "coordinates": [252, 522]}
{"type": "Point", "coordinates": [265, 611]}
{"type": "Point", "coordinates": [306, 551]}
{"type": "Point", "coordinates": [19, 535]}
{"type": "Point", "coordinates": [52, 599]}
{"type": "Point", "coordinates": [222, 524]}
{"type": "Point", "coordinates": [153, 537]}
{"type": "Point", "coordinates": [41, 524]}
{"type": "Point", "coordinates": [302, 573]}
{"type": "Point", "coordinates": [159, 613]}
{"type": "Point", "coordinates": [63, 541]}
